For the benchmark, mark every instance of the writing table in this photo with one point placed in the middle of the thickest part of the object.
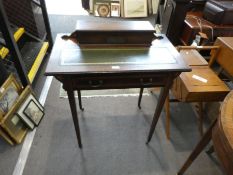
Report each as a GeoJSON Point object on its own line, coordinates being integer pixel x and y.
{"type": "Point", "coordinates": [118, 67]}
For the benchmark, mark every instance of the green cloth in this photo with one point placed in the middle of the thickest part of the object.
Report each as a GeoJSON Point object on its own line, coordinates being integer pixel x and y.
{"type": "Point", "coordinates": [116, 56]}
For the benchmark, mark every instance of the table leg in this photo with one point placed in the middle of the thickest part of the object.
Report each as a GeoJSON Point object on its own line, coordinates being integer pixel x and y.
{"type": "Point", "coordinates": [140, 97]}
{"type": "Point", "coordinates": [200, 146]}
{"type": "Point", "coordinates": [80, 100]}
{"type": "Point", "coordinates": [210, 150]}
{"type": "Point", "coordinates": [168, 117]}
{"type": "Point", "coordinates": [162, 97]}
{"type": "Point", "coordinates": [74, 113]}
{"type": "Point", "coordinates": [200, 117]}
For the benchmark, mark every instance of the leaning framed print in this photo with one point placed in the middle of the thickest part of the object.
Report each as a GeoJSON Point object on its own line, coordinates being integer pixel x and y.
{"type": "Point", "coordinates": [135, 8]}
{"type": "Point", "coordinates": [24, 100]}
{"type": "Point", "coordinates": [33, 110]}
{"type": "Point", "coordinates": [9, 92]}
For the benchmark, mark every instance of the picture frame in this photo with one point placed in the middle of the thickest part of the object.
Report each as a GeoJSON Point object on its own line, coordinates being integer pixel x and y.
{"type": "Point", "coordinates": [6, 137]}
{"type": "Point", "coordinates": [115, 9]}
{"type": "Point", "coordinates": [34, 110]}
{"type": "Point", "coordinates": [24, 100]}
{"type": "Point", "coordinates": [135, 8]}
{"type": "Point", "coordinates": [12, 123]}
{"type": "Point", "coordinates": [15, 127]}
{"type": "Point", "coordinates": [9, 93]}
{"type": "Point", "coordinates": [102, 9]}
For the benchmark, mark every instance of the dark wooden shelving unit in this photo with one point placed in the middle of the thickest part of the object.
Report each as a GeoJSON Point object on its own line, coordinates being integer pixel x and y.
{"type": "Point", "coordinates": [25, 37]}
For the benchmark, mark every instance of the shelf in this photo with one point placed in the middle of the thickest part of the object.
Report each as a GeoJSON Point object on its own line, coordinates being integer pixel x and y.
{"type": "Point", "coordinates": [32, 51]}
{"type": "Point", "coordinates": [17, 35]}
{"type": "Point", "coordinates": [33, 54]}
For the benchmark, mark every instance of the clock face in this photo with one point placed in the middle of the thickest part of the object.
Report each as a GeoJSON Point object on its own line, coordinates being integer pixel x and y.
{"type": "Point", "coordinates": [103, 10]}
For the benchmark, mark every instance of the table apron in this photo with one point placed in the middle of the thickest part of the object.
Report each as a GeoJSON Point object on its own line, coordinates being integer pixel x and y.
{"type": "Point", "coordinates": [113, 82]}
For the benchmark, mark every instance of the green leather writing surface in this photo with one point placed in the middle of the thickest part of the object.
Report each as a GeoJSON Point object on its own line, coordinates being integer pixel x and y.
{"type": "Point", "coordinates": [111, 56]}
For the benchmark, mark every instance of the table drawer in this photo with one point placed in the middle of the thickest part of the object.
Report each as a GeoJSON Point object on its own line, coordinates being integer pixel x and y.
{"type": "Point", "coordinates": [118, 82]}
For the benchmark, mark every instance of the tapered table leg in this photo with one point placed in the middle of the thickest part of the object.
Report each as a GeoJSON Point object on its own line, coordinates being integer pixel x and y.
{"type": "Point", "coordinates": [80, 100]}
{"type": "Point", "coordinates": [168, 117]}
{"type": "Point", "coordinates": [162, 97]}
{"type": "Point", "coordinates": [200, 118]}
{"type": "Point", "coordinates": [140, 97]}
{"type": "Point", "coordinates": [74, 113]}
{"type": "Point", "coordinates": [210, 150]}
{"type": "Point", "coordinates": [197, 150]}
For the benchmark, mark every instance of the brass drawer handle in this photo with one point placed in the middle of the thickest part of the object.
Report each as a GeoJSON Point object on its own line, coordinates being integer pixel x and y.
{"type": "Point", "coordinates": [96, 84]}
{"type": "Point", "coordinates": [146, 83]}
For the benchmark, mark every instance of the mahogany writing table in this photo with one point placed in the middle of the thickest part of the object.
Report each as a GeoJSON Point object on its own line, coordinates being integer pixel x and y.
{"type": "Point", "coordinates": [92, 68]}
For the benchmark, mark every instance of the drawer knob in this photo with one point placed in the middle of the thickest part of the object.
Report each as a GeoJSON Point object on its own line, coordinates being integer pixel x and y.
{"type": "Point", "coordinates": [96, 84]}
{"type": "Point", "coordinates": [146, 83]}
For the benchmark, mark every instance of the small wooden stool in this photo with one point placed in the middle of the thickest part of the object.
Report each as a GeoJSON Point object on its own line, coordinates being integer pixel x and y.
{"type": "Point", "coordinates": [200, 85]}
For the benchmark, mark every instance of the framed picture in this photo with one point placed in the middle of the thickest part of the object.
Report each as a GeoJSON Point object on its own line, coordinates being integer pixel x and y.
{"type": "Point", "coordinates": [102, 9]}
{"type": "Point", "coordinates": [115, 9]}
{"type": "Point", "coordinates": [24, 102]}
{"type": "Point", "coordinates": [9, 92]}
{"type": "Point", "coordinates": [21, 104]}
{"type": "Point", "coordinates": [135, 8]}
{"type": "Point", "coordinates": [34, 110]}
{"type": "Point", "coordinates": [31, 111]}
{"type": "Point", "coordinates": [12, 123]}
{"type": "Point", "coordinates": [15, 127]}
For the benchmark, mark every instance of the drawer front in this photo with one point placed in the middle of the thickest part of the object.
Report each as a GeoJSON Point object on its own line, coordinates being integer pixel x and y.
{"type": "Point", "coordinates": [118, 82]}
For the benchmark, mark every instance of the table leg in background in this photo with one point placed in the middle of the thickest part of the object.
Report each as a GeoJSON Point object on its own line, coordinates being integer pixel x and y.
{"type": "Point", "coordinates": [74, 113]}
{"type": "Point", "coordinates": [162, 97]}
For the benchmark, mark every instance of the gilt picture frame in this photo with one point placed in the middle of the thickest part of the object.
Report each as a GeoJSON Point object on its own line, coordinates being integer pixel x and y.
{"type": "Point", "coordinates": [15, 127]}
{"type": "Point", "coordinates": [9, 93]}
